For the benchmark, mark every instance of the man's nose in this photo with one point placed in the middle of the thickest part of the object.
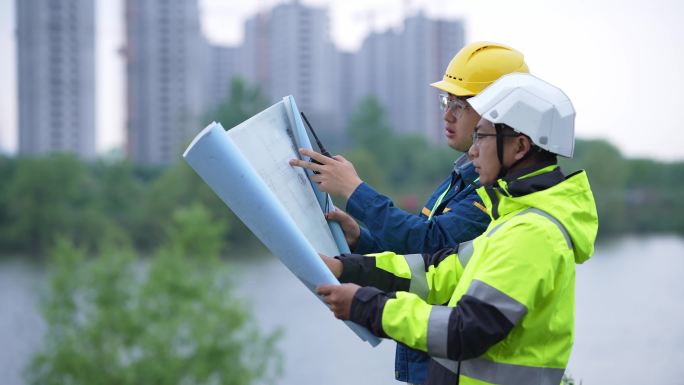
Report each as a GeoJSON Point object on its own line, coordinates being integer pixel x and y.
{"type": "Point", "coordinates": [472, 151]}
{"type": "Point", "coordinates": [448, 116]}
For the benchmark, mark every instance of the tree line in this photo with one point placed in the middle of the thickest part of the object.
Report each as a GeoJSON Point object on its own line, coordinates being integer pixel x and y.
{"type": "Point", "coordinates": [60, 196]}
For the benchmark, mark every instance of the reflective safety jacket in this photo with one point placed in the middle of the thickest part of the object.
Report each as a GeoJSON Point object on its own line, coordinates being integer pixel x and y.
{"type": "Point", "coordinates": [498, 309]}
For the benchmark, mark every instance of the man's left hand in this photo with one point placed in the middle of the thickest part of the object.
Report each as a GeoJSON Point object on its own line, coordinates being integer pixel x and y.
{"type": "Point", "coordinates": [338, 298]}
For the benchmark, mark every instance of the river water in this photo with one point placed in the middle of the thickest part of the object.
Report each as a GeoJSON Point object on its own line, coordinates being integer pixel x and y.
{"type": "Point", "coordinates": [629, 320]}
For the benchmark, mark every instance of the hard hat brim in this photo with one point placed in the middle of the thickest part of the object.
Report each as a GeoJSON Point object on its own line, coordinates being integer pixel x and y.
{"type": "Point", "coordinates": [452, 88]}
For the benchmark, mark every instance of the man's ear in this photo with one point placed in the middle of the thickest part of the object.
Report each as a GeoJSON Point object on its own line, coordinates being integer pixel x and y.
{"type": "Point", "coordinates": [522, 146]}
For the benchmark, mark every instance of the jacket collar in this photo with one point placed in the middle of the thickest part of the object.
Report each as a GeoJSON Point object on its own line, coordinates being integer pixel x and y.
{"type": "Point", "coordinates": [464, 168]}
{"type": "Point", "coordinates": [534, 179]}
{"type": "Point", "coordinates": [525, 181]}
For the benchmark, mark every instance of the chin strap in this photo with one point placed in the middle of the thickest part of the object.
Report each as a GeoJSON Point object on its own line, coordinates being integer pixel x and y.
{"type": "Point", "coordinates": [503, 170]}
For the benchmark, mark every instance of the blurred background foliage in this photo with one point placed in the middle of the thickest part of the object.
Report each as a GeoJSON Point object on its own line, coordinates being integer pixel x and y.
{"type": "Point", "coordinates": [42, 199]}
{"type": "Point", "coordinates": [170, 320]}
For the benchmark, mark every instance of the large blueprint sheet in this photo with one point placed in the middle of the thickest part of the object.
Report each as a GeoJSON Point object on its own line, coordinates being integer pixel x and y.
{"type": "Point", "coordinates": [248, 169]}
{"type": "Point", "coordinates": [266, 145]}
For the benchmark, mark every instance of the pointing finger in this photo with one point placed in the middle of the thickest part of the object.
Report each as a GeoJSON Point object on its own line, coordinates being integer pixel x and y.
{"type": "Point", "coordinates": [315, 155]}
{"type": "Point", "coordinates": [304, 164]}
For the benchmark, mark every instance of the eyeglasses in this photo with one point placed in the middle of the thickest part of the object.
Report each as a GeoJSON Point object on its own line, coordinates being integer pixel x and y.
{"type": "Point", "coordinates": [479, 135]}
{"type": "Point", "coordinates": [455, 105]}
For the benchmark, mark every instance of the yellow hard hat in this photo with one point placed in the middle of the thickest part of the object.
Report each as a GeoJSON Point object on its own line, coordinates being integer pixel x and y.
{"type": "Point", "coordinates": [478, 65]}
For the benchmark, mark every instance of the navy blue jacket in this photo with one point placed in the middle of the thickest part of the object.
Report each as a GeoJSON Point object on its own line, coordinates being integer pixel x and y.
{"type": "Point", "coordinates": [388, 228]}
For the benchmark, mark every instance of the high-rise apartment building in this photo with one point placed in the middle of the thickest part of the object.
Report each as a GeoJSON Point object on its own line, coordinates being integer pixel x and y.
{"type": "Point", "coordinates": [166, 68]}
{"type": "Point", "coordinates": [376, 71]}
{"type": "Point", "coordinates": [430, 45]}
{"type": "Point", "coordinates": [302, 57]}
{"type": "Point", "coordinates": [56, 76]}
{"type": "Point", "coordinates": [397, 67]}
{"type": "Point", "coordinates": [223, 66]}
{"type": "Point", "coordinates": [288, 51]}
{"type": "Point", "coordinates": [254, 61]}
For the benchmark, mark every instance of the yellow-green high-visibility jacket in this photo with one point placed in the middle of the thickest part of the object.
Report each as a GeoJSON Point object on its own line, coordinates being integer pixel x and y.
{"type": "Point", "coordinates": [498, 309]}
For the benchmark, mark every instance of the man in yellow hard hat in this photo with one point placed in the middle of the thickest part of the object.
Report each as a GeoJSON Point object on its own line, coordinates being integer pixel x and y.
{"type": "Point", "coordinates": [454, 213]}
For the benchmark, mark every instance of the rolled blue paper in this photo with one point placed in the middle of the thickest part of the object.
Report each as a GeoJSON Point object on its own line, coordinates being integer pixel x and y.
{"type": "Point", "coordinates": [219, 162]}
{"type": "Point", "coordinates": [324, 199]}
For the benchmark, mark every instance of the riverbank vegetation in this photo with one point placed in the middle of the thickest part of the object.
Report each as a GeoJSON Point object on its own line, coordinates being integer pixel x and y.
{"type": "Point", "coordinates": [170, 319]}
{"type": "Point", "coordinates": [58, 195]}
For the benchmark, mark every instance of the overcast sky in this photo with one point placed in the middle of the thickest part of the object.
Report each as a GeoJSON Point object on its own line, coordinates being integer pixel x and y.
{"type": "Point", "coordinates": [621, 62]}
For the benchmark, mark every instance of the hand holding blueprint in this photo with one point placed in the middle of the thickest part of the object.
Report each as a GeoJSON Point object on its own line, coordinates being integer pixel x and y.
{"type": "Point", "coordinates": [248, 169]}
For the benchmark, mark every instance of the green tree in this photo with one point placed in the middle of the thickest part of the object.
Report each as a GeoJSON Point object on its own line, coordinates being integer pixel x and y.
{"type": "Point", "coordinates": [372, 143]}
{"type": "Point", "coordinates": [368, 168]}
{"type": "Point", "coordinates": [118, 192]}
{"type": "Point", "coordinates": [179, 186]}
{"type": "Point", "coordinates": [49, 196]}
{"type": "Point", "coordinates": [116, 320]}
{"type": "Point", "coordinates": [243, 101]}
{"type": "Point", "coordinates": [395, 164]}
{"type": "Point", "coordinates": [369, 129]}
{"type": "Point", "coordinates": [7, 171]}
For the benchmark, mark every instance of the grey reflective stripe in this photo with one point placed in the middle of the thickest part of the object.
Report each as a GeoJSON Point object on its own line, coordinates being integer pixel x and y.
{"type": "Point", "coordinates": [495, 229]}
{"type": "Point", "coordinates": [500, 373]}
{"type": "Point", "coordinates": [449, 364]}
{"type": "Point", "coordinates": [545, 215]}
{"type": "Point", "coordinates": [419, 285]}
{"type": "Point", "coordinates": [552, 219]}
{"type": "Point", "coordinates": [509, 307]}
{"type": "Point", "coordinates": [504, 374]}
{"type": "Point", "coordinates": [465, 251]}
{"type": "Point", "coordinates": [437, 331]}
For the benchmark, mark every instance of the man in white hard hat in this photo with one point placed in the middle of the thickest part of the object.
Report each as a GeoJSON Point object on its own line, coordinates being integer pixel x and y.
{"type": "Point", "coordinates": [498, 309]}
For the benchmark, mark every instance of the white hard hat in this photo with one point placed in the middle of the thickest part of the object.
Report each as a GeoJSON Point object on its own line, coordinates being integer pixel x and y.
{"type": "Point", "coordinates": [532, 107]}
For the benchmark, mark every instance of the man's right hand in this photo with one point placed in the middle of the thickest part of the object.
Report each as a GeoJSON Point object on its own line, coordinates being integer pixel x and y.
{"type": "Point", "coordinates": [351, 229]}
{"type": "Point", "coordinates": [335, 265]}
{"type": "Point", "coordinates": [335, 175]}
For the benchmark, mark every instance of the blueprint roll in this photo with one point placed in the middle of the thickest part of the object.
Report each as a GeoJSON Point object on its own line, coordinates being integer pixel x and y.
{"type": "Point", "coordinates": [220, 163]}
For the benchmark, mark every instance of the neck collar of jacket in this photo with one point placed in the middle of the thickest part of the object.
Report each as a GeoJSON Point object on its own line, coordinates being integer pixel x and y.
{"type": "Point", "coordinates": [464, 168]}
{"type": "Point", "coordinates": [523, 182]}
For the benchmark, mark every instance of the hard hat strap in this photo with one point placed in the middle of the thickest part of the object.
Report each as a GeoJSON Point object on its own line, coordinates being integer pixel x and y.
{"type": "Point", "coordinates": [500, 134]}
{"type": "Point", "coordinates": [499, 127]}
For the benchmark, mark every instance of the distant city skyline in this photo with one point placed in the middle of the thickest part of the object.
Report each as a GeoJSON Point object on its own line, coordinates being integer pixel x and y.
{"type": "Point", "coordinates": [608, 56]}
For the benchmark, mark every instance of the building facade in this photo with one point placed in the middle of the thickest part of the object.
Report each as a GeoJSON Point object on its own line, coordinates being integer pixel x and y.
{"type": "Point", "coordinates": [288, 50]}
{"type": "Point", "coordinates": [166, 61]}
{"type": "Point", "coordinates": [398, 66]}
{"type": "Point", "coordinates": [56, 77]}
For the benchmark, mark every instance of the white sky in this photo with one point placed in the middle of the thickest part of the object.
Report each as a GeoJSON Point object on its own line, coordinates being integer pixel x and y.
{"type": "Point", "coordinates": [621, 62]}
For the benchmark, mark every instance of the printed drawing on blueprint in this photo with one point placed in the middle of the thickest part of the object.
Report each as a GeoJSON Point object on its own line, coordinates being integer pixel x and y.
{"type": "Point", "coordinates": [264, 141]}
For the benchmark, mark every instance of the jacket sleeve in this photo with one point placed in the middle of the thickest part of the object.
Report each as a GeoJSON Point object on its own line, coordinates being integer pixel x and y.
{"type": "Point", "coordinates": [458, 333]}
{"type": "Point", "coordinates": [518, 275]}
{"type": "Point", "coordinates": [432, 278]}
{"type": "Point", "coordinates": [391, 228]}
{"type": "Point", "coordinates": [367, 243]}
